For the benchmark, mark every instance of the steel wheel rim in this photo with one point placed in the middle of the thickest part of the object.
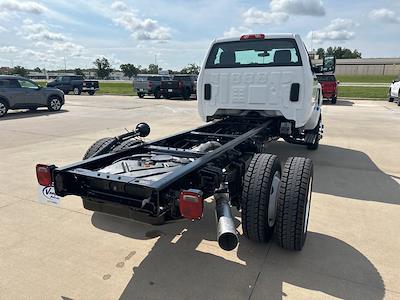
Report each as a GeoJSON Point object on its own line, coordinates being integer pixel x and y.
{"type": "Point", "coordinates": [308, 205]}
{"type": "Point", "coordinates": [2, 109]}
{"type": "Point", "coordinates": [55, 104]}
{"type": "Point", "coordinates": [273, 198]}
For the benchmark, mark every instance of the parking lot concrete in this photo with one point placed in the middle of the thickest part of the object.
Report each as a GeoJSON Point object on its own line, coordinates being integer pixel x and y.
{"type": "Point", "coordinates": [65, 252]}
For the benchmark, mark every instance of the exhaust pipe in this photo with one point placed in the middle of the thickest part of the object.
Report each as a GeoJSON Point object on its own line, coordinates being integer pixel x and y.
{"type": "Point", "coordinates": [226, 230]}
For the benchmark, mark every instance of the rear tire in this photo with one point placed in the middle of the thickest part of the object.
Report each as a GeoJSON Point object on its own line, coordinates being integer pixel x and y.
{"type": "Point", "coordinates": [3, 108]}
{"type": "Point", "coordinates": [97, 146]}
{"type": "Point", "coordinates": [91, 93]}
{"type": "Point", "coordinates": [140, 95]}
{"type": "Point", "coordinates": [260, 188]}
{"type": "Point", "coordinates": [398, 102]}
{"type": "Point", "coordinates": [77, 91]}
{"type": "Point", "coordinates": [334, 100]}
{"type": "Point", "coordinates": [391, 99]}
{"type": "Point", "coordinates": [294, 203]}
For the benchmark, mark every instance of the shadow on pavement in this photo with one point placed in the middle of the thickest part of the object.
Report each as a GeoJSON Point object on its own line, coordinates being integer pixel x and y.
{"type": "Point", "coordinates": [183, 264]}
{"type": "Point", "coordinates": [22, 114]}
{"type": "Point", "coordinates": [343, 172]}
{"type": "Point", "coordinates": [339, 102]}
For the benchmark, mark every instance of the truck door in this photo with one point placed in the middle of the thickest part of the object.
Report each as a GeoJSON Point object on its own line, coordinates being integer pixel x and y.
{"type": "Point", "coordinates": [66, 84]}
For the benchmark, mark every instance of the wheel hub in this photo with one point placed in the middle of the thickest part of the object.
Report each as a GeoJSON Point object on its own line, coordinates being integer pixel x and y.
{"type": "Point", "coordinates": [55, 104]}
{"type": "Point", "coordinates": [273, 197]}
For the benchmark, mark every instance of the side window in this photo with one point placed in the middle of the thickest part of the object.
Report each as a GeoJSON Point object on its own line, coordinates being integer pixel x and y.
{"type": "Point", "coordinates": [4, 83]}
{"type": "Point", "coordinates": [27, 84]}
{"type": "Point", "coordinates": [65, 79]}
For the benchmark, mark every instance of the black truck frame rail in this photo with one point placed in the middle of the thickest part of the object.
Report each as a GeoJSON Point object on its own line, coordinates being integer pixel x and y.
{"type": "Point", "coordinates": [155, 202]}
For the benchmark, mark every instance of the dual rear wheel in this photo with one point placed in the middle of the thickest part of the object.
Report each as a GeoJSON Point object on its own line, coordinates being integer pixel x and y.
{"type": "Point", "coordinates": [276, 201]}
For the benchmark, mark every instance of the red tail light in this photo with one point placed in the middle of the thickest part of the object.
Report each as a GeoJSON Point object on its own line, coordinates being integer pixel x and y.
{"type": "Point", "coordinates": [259, 36]}
{"type": "Point", "coordinates": [43, 174]}
{"type": "Point", "coordinates": [191, 204]}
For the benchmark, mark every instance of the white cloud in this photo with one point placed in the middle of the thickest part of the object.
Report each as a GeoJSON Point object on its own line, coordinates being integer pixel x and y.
{"type": "Point", "coordinates": [254, 16]}
{"type": "Point", "coordinates": [8, 49]}
{"type": "Point", "coordinates": [22, 6]}
{"type": "Point", "coordinates": [338, 30]}
{"type": "Point", "coordinates": [384, 15]}
{"type": "Point", "coordinates": [141, 29]}
{"type": "Point", "coordinates": [3, 29]}
{"type": "Point", "coordinates": [70, 48]}
{"type": "Point", "coordinates": [280, 10]}
{"type": "Point", "coordinates": [236, 31]}
{"type": "Point", "coordinates": [298, 7]}
{"type": "Point", "coordinates": [39, 32]}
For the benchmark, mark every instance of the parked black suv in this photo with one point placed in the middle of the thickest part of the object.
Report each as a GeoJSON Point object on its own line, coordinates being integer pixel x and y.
{"type": "Point", "coordinates": [74, 83]}
{"type": "Point", "coordinates": [180, 86]}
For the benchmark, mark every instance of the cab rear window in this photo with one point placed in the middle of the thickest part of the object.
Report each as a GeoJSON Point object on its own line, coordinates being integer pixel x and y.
{"type": "Point", "coordinates": [254, 53]}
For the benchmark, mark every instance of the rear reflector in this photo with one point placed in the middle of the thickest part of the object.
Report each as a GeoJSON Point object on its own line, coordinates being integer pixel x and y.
{"type": "Point", "coordinates": [43, 174]}
{"type": "Point", "coordinates": [259, 36]}
{"type": "Point", "coordinates": [191, 204]}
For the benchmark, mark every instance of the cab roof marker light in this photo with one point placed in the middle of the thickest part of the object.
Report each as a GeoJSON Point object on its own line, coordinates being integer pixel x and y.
{"type": "Point", "coordinates": [258, 36]}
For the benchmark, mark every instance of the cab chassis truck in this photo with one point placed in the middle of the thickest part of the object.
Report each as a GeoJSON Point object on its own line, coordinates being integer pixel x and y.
{"type": "Point", "coordinates": [169, 179]}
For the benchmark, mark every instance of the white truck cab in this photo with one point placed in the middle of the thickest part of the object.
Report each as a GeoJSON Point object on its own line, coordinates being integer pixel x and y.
{"type": "Point", "coordinates": [268, 74]}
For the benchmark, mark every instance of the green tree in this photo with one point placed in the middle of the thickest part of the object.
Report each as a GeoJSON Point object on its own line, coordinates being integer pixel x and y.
{"type": "Point", "coordinates": [37, 69]}
{"type": "Point", "coordinates": [153, 69]}
{"type": "Point", "coordinates": [321, 52]}
{"type": "Point", "coordinates": [191, 69]}
{"type": "Point", "coordinates": [103, 68]}
{"type": "Point", "coordinates": [343, 53]}
{"type": "Point", "coordinates": [18, 70]}
{"type": "Point", "coordinates": [129, 70]}
{"type": "Point", "coordinates": [79, 72]}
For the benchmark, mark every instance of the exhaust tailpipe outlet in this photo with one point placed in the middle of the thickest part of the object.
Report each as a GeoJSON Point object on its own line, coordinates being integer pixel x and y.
{"type": "Point", "coordinates": [226, 230]}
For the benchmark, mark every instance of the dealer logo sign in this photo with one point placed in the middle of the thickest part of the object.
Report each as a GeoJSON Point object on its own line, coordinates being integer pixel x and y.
{"type": "Point", "coordinates": [47, 194]}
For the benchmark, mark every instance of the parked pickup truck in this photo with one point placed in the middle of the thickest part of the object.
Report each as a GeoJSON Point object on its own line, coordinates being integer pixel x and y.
{"type": "Point", "coordinates": [74, 83]}
{"type": "Point", "coordinates": [329, 86]}
{"type": "Point", "coordinates": [180, 86]}
{"type": "Point", "coordinates": [149, 85]}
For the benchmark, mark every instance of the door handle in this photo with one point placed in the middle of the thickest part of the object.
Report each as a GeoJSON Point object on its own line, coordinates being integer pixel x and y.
{"type": "Point", "coordinates": [207, 91]}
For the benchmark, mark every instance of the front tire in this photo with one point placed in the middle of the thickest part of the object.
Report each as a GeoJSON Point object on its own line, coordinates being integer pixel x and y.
{"type": "Point", "coordinates": [293, 209]}
{"type": "Point", "coordinates": [186, 95]}
{"type": "Point", "coordinates": [259, 196]}
{"type": "Point", "coordinates": [91, 93]}
{"type": "Point", "coordinates": [54, 104]}
{"type": "Point", "coordinates": [140, 95]}
{"type": "Point", "coordinates": [3, 108]}
{"type": "Point", "coordinates": [334, 100]}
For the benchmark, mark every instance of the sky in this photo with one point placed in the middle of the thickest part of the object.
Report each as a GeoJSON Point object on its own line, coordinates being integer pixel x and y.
{"type": "Point", "coordinates": [173, 33]}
